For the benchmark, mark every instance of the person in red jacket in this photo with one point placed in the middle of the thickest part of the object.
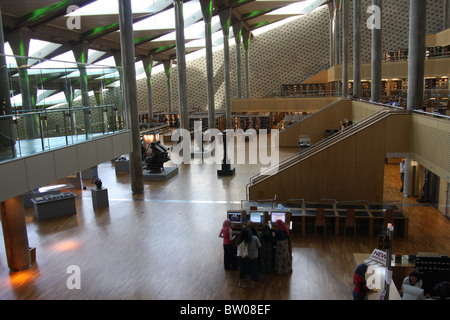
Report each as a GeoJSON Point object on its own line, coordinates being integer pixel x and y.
{"type": "Point", "coordinates": [359, 280]}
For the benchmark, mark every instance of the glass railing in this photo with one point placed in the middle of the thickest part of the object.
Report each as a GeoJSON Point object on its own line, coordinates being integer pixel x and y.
{"type": "Point", "coordinates": [47, 104]}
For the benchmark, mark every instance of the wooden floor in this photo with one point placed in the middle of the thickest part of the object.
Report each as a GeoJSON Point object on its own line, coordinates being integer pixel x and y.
{"type": "Point", "coordinates": [164, 244]}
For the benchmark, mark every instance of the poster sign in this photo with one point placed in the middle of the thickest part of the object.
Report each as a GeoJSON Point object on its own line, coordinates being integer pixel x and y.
{"type": "Point", "coordinates": [379, 256]}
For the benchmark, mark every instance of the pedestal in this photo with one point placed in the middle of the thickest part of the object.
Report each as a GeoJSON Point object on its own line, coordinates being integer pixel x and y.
{"type": "Point", "coordinates": [99, 198]}
{"type": "Point", "coordinates": [53, 206]}
{"type": "Point", "coordinates": [161, 176]}
{"type": "Point", "coordinates": [227, 170]}
{"type": "Point", "coordinates": [122, 166]}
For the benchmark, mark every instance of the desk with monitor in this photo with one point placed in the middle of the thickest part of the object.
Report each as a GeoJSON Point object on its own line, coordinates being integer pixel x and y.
{"type": "Point", "coordinates": [259, 218]}
{"type": "Point", "coordinates": [369, 216]}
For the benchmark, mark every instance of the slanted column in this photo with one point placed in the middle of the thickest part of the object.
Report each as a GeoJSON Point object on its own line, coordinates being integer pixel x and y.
{"type": "Point", "coordinates": [225, 20]}
{"type": "Point", "coordinates": [207, 6]}
{"type": "Point", "coordinates": [331, 15]}
{"type": "Point", "coordinates": [15, 234]}
{"type": "Point", "coordinates": [377, 50]}
{"type": "Point", "coordinates": [416, 70]}
{"type": "Point", "coordinates": [19, 41]}
{"type": "Point", "coordinates": [68, 93]}
{"type": "Point", "coordinates": [130, 93]}
{"type": "Point", "coordinates": [181, 64]}
{"type": "Point", "coordinates": [168, 70]}
{"type": "Point", "coordinates": [246, 41]}
{"type": "Point", "coordinates": [446, 14]}
{"type": "Point", "coordinates": [337, 39]}
{"type": "Point", "coordinates": [7, 140]}
{"type": "Point", "coordinates": [237, 31]}
{"type": "Point", "coordinates": [148, 64]}
{"type": "Point", "coordinates": [80, 52]}
{"type": "Point", "coordinates": [345, 48]}
{"type": "Point", "coordinates": [357, 49]}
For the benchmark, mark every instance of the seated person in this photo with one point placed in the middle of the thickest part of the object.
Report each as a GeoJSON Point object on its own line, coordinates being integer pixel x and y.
{"type": "Point", "coordinates": [413, 280]}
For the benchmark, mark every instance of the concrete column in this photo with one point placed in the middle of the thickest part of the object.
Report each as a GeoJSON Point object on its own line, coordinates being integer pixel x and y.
{"type": "Point", "coordinates": [168, 70]}
{"type": "Point", "coordinates": [237, 31]}
{"type": "Point", "coordinates": [148, 64]}
{"type": "Point", "coordinates": [417, 50]}
{"type": "Point", "coordinates": [68, 93]}
{"type": "Point", "coordinates": [225, 20]}
{"type": "Point", "coordinates": [19, 41]}
{"type": "Point", "coordinates": [246, 41]}
{"type": "Point", "coordinates": [181, 64]}
{"type": "Point", "coordinates": [207, 6]}
{"type": "Point", "coordinates": [7, 140]}
{"type": "Point", "coordinates": [331, 15]}
{"type": "Point", "coordinates": [416, 71]}
{"type": "Point", "coordinates": [446, 14]}
{"type": "Point", "coordinates": [337, 39]}
{"type": "Point", "coordinates": [80, 52]}
{"type": "Point", "coordinates": [377, 54]}
{"type": "Point", "coordinates": [130, 93]}
{"type": "Point", "coordinates": [15, 234]}
{"type": "Point", "coordinates": [345, 49]}
{"type": "Point", "coordinates": [357, 48]}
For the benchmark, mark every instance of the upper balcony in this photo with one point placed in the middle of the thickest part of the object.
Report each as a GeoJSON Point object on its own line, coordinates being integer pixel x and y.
{"type": "Point", "coordinates": [48, 104]}
{"type": "Point", "coordinates": [56, 119]}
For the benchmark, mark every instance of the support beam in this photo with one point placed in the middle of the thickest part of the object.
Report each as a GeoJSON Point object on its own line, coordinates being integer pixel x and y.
{"type": "Point", "coordinates": [246, 42]}
{"type": "Point", "coordinates": [19, 41]}
{"type": "Point", "coordinates": [377, 50]}
{"type": "Point", "coordinates": [15, 234]}
{"type": "Point", "coordinates": [130, 93]}
{"type": "Point", "coordinates": [416, 71]}
{"type": "Point", "coordinates": [7, 139]}
{"type": "Point", "coordinates": [168, 70]}
{"type": "Point", "coordinates": [207, 6]}
{"type": "Point", "coordinates": [357, 49]}
{"type": "Point", "coordinates": [181, 64]}
{"type": "Point", "coordinates": [237, 31]}
{"type": "Point", "coordinates": [331, 15]}
{"type": "Point", "coordinates": [446, 14]}
{"type": "Point", "coordinates": [345, 49]}
{"type": "Point", "coordinates": [148, 65]}
{"type": "Point", "coordinates": [80, 51]}
{"type": "Point", "coordinates": [225, 21]}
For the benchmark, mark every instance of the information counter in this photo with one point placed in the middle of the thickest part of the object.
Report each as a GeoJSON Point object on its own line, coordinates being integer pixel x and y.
{"type": "Point", "coordinates": [377, 280]}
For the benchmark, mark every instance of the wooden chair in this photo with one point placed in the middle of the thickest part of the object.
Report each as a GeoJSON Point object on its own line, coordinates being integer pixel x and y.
{"type": "Point", "coordinates": [388, 218]}
{"type": "Point", "coordinates": [350, 221]}
{"type": "Point", "coordinates": [320, 220]}
{"type": "Point", "coordinates": [253, 208]}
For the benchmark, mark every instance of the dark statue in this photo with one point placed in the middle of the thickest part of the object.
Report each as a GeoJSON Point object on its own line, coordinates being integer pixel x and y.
{"type": "Point", "coordinates": [154, 162]}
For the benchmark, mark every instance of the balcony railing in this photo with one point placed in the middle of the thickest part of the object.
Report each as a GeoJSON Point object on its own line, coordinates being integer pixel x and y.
{"type": "Point", "coordinates": [48, 104]}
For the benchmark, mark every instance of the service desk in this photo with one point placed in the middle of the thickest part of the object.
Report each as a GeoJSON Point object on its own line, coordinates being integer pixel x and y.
{"type": "Point", "coordinates": [379, 284]}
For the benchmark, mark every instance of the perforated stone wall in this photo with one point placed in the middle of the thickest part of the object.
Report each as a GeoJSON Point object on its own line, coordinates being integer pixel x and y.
{"type": "Point", "coordinates": [291, 53]}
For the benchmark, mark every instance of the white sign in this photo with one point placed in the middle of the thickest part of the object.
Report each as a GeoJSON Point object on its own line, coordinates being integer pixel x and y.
{"type": "Point", "coordinates": [379, 256]}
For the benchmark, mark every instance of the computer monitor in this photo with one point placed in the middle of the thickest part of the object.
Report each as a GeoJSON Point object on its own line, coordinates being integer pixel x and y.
{"type": "Point", "coordinates": [278, 215]}
{"type": "Point", "coordinates": [235, 217]}
{"type": "Point", "coordinates": [257, 217]}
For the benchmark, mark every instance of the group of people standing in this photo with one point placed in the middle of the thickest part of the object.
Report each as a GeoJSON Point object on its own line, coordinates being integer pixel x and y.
{"type": "Point", "coordinates": [265, 250]}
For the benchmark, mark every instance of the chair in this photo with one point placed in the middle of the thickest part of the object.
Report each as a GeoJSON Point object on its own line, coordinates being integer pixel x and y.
{"type": "Point", "coordinates": [253, 208]}
{"type": "Point", "coordinates": [320, 220]}
{"type": "Point", "coordinates": [388, 217]}
{"type": "Point", "coordinates": [350, 221]}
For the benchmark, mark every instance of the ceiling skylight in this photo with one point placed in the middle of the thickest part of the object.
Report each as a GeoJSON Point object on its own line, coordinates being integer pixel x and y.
{"type": "Point", "coordinates": [303, 7]}
{"type": "Point", "coordinates": [105, 7]}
